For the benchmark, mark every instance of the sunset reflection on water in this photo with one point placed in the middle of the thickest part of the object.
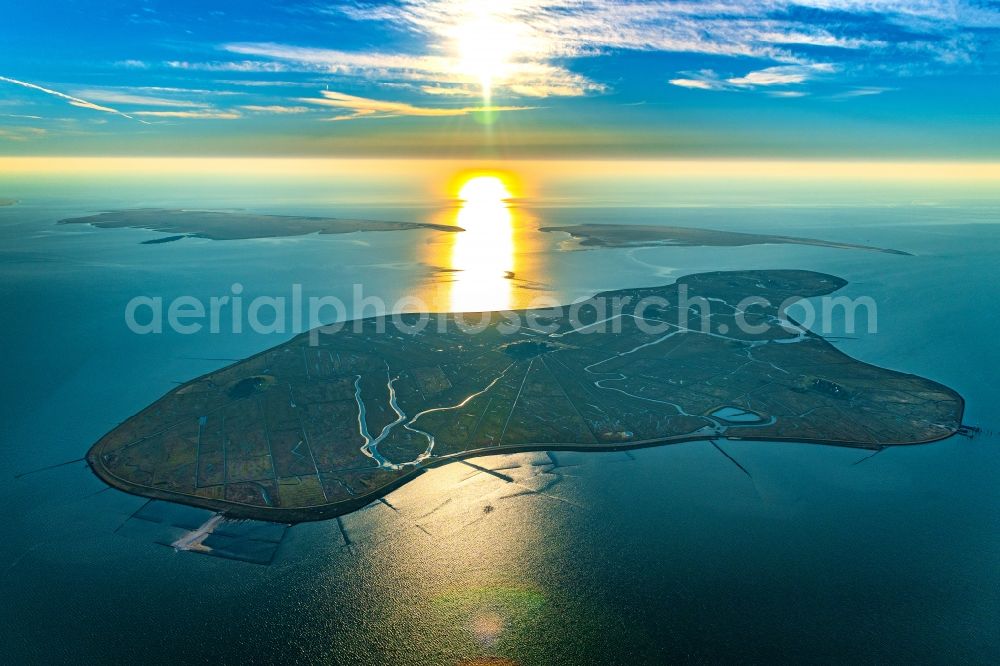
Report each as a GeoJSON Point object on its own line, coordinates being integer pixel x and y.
{"type": "Point", "coordinates": [483, 256]}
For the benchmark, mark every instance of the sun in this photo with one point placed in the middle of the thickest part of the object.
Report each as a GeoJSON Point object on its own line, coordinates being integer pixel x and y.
{"type": "Point", "coordinates": [486, 43]}
{"type": "Point", "coordinates": [484, 190]}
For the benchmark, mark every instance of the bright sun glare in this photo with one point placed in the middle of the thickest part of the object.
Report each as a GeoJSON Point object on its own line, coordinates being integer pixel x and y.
{"type": "Point", "coordinates": [485, 45]}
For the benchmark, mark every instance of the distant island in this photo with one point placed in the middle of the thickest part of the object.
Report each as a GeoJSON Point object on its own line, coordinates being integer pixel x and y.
{"type": "Point", "coordinates": [219, 225]}
{"type": "Point", "coordinates": [238, 225]}
{"type": "Point", "coordinates": [162, 239]}
{"type": "Point", "coordinates": [8, 202]}
{"type": "Point", "coordinates": [310, 431]}
{"type": "Point", "coordinates": [640, 235]}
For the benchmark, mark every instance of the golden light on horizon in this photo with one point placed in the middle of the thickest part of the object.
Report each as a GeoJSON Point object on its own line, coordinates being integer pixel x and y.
{"type": "Point", "coordinates": [539, 171]}
{"type": "Point", "coordinates": [482, 256]}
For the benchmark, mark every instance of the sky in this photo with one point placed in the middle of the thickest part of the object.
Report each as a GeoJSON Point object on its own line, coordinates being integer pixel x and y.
{"type": "Point", "coordinates": [746, 79]}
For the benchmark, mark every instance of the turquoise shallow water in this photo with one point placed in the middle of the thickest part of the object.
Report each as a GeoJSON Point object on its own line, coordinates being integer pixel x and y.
{"type": "Point", "coordinates": [666, 553]}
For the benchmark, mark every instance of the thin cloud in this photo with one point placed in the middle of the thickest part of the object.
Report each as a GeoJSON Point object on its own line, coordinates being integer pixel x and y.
{"type": "Point", "coordinates": [363, 107]}
{"type": "Point", "coordinates": [207, 115]}
{"type": "Point", "coordinates": [266, 84]}
{"type": "Point", "coordinates": [75, 101]}
{"type": "Point", "coordinates": [698, 84]}
{"type": "Point", "coordinates": [120, 97]}
{"type": "Point", "coordinates": [450, 91]}
{"type": "Point", "coordinates": [275, 108]}
{"type": "Point", "coordinates": [866, 91]}
{"type": "Point", "coordinates": [782, 75]}
{"type": "Point", "coordinates": [21, 133]}
{"type": "Point", "coordinates": [255, 66]}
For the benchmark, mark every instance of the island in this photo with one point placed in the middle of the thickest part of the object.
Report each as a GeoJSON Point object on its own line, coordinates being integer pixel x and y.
{"type": "Point", "coordinates": [642, 235]}
{"type": "Point", "coordinates": [226, 225]}
{"type": "Point", "coordinates": [163, 239]}
{"type": "Point", "coordinates": [8, 202]}
{"type": "Point", "coordinates": [335, 419]}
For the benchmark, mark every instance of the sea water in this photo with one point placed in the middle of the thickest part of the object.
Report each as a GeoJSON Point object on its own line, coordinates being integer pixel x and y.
{"type": "Point", "coordinates": [639, 557]}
